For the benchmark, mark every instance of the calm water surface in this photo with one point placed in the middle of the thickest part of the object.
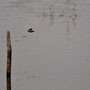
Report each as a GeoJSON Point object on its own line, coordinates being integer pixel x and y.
{"type": "Point", "coordinates": [57, 55]}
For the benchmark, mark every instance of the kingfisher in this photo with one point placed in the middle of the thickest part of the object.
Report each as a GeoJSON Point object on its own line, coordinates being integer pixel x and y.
{"type": "Point", "coordinates": [30, 30]}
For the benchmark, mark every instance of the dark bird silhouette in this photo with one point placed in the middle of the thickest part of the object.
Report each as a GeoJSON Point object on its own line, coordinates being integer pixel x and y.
{"type": "Point", "coordinates": [30, 30]}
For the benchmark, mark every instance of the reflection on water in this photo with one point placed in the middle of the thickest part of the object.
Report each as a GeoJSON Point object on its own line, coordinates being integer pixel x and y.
{"type": "Point", "coordinates": [52, 10]}
{"type": "Point", "coordinates": [68, 11]}
{"type": "Point", "coordinates": [46, 9]}
{"type": "Point", "coordinates": [54, 57]}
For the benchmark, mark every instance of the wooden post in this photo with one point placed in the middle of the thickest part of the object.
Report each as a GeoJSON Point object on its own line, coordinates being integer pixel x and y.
{"type": "Point", "coordinates": [9, 56]}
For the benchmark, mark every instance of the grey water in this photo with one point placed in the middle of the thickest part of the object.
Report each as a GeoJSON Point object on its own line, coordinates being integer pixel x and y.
{"type": "Point", "coordinates": [54, 57]}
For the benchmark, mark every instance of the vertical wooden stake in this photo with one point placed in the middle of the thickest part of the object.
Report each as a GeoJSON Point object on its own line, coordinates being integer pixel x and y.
{"type": "Point", "coordinates": [9, 57]}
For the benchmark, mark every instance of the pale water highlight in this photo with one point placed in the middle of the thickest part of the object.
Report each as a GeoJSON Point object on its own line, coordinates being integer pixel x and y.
{"type": "Point", "coordinates": [56, 56]}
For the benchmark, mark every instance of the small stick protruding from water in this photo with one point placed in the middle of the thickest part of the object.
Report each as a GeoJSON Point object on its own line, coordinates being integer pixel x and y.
{"type": "Point", "coordinates": [9, 57]}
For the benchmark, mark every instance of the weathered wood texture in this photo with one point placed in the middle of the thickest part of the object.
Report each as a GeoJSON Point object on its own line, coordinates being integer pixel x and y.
{"type": "Point", "coordinates": [9, 57]}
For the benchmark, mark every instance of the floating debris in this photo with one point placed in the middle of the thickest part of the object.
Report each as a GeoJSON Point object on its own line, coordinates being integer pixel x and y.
{"type": "Point", "coordinates": [30, 30]}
